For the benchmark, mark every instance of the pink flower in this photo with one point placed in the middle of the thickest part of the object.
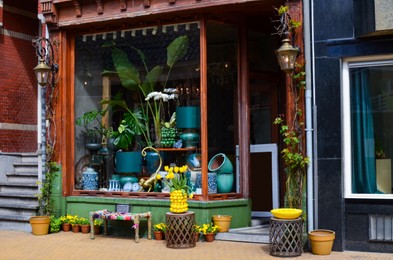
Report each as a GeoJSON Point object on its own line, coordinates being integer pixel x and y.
{"type": "Point", "coordinates": [135, 226]}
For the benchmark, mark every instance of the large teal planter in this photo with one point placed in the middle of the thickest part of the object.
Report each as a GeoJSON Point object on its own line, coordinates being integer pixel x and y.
{"type": "Point", "coordinates": [220, 163]}
{"type": "Point", "coordinates": [225, 182]}
{"type": "Point", "coordinates": [127, 162]}
{"type": "Point", "coordinates": [188, 117]}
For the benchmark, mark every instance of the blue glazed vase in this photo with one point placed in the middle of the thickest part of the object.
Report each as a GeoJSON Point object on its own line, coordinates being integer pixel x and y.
{"type": "Point", "coordinates": [152, 161]}
{"type": "Point", "coordinates": [211, 181]}
{"type": "Point", "coordinates": [90, 179]}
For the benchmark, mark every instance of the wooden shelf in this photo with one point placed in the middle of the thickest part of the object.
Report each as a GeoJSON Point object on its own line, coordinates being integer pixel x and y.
{"type": "Point", "coordinates": [178, 149]}
{"type": "Point", "coordinates": [151, 195]}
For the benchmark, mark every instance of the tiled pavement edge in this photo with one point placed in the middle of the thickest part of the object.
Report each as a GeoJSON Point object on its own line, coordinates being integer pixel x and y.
{"type": "Point", "coordinates": [67, 245]}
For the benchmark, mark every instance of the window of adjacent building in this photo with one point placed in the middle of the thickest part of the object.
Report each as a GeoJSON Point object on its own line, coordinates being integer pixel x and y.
{"type": "Point", "coordinates": [368, 127]}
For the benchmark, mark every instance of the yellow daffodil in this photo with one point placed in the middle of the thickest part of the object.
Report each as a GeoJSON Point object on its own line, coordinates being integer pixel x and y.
{"type": "Point", "coordinates": [176, 169]}
{"type": "Point", "coordinates": [170, 175]}
{"type": "Point", "coordinates": [158, 176]}
{"type": "Point", "coordinates": [183, 168]}
{"type": "Point", "coordinates": [166, 168]}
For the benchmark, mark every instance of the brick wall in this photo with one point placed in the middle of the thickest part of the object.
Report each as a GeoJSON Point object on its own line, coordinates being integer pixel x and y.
{"type": "Point", "coordinates": [18, 95]}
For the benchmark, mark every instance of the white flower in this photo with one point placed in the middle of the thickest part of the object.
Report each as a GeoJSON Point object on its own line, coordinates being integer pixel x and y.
{"type": "Point", "coordinates": [170, 90]}
{"type": "Point", "coordinates": [159, 95]}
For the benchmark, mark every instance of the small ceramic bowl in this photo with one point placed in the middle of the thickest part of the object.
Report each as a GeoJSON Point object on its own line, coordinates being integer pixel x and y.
{"type": "Point", "coordinates": [286, 213]}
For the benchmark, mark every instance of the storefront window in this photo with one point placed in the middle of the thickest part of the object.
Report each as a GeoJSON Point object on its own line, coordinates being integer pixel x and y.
{"type": "Point", "coordinates": [114, 73]}
{"type": "Point", "coordinates": [370, 126]}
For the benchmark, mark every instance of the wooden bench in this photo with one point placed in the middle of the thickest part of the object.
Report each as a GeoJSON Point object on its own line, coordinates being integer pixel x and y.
{"type": "Point", "coordinates": [106, 215]}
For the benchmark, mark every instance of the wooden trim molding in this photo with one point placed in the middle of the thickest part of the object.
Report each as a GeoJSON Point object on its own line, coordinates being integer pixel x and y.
{"type": "Point", "coordinates": [78, 11]}
{"type": "Point", "coordinates": [49, 12]}
{"type": "Point", "coordinates": [123, 5]}
{"type": "Point", "coordinates": [100, 9]}
{"type": "Point", "coordinates": [146, 3]}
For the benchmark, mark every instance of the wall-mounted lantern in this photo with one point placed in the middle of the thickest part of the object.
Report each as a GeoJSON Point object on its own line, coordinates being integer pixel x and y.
{"type": "Point", "coordinates": [46, 68]}
{"type": "Point", "coordinates": [286, 56]}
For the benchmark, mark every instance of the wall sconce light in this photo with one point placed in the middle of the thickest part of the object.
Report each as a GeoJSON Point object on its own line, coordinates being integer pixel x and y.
{"type": "Point", "coordinates": [286, 56]}
{"type": "Point", "coordinates": [47, 68]}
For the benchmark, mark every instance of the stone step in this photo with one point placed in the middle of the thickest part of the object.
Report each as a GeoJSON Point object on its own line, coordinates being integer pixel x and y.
{"type": "Point", "coordinates": [18, 198]}
{"type": "Point", "coordinates": [18, 209]}
{"type": "Point", "coordinates": [257, 234]}
{"type": "Point", "coordinates": [26, 167]}
{"type": "Point", "coordinates": [30, 177]}
{"type": "Point", "coordinates": [29, 157]}
{"type": "Point", "coordinates": [15, 222]}
{"type": "Point", "coordinates": [18, 187]}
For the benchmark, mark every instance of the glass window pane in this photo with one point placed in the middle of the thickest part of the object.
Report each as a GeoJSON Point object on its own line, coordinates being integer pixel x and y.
{"type": "Point", "coordinates": [371, 90]}
{"type": "Point", "coordinates": [222, 93]}
{"type": "Point", "coordinates": [126, 66]}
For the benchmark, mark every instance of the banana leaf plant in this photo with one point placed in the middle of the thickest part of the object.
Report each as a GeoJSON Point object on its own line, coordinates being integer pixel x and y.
{"type": "Point", "coordinates": [137, 122]}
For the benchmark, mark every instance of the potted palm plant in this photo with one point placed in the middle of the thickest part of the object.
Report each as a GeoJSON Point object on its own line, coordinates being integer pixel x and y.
{"type": "Point", "coordinates": [151, 98]}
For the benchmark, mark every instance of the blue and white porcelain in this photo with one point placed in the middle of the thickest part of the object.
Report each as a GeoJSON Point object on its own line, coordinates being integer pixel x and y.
{"type": "Point", "coordinates": [211, 181]}
{"type": "Point", "coordinates": [90, 179]}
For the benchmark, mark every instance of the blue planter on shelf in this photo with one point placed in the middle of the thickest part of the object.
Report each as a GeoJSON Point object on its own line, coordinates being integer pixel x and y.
{"type": "Point", "coordinates": [127, 162]}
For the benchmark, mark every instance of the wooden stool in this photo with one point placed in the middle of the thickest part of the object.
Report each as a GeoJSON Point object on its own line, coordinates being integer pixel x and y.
{"type": "Point", "coordinates": [285, 237]}
{"type": "Point", "coordinates": [179, 233]}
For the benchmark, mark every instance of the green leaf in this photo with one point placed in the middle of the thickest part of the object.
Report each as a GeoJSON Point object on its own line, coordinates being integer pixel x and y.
{"type": "Point", "coordinates": [150, 81]}
{"type": "Point", "coordinates": [177, 50]}
{"type": "Point", "coordinates": [128, 74]}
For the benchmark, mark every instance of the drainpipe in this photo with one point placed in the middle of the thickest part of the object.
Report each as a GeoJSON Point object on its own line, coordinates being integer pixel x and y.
{"type": "Point", "coordinates": [309, 57]}
{"type": "Point", "coordinates": [41, 117]}
{"type": "Point", "coordinates": [40, 147]}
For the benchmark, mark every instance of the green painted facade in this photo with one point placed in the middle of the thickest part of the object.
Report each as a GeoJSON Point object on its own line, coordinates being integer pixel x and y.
{"type": "Point", "coordinates": [239, 209]}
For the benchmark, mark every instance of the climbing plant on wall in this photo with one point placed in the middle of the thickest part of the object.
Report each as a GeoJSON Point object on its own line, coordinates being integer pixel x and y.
{"type": "Point", "coordinates": [292, 126]}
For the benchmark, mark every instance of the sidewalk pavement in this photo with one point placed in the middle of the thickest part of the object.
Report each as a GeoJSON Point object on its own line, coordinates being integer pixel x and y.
{"type": "Point", "coordinates": [68, 245]}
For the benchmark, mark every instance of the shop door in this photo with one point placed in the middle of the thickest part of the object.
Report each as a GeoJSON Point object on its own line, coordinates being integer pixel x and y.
{"type": "Point", "coordinates": [264, 180]}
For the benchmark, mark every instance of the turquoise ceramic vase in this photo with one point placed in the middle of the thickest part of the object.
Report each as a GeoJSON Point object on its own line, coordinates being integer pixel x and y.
{"type": "Point", "coordinates": [220, 163]}
{"type": "Point", "coordinates": [225, 182]}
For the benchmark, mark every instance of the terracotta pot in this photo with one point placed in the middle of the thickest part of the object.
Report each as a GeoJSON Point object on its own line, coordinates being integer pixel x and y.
{"type": "Point", "coordinates": [158, 235]}
{"type": "Point", "coordinates": [97, 230]}
{"type": "Point", "coordinates": [209, 237]}
{"type": "Point", "coordinates": [196, 236]}
{"type": "Point", "coordinates": [76, 228]}
{"type": "Point", "coordinates": [66, 227]}
{"type": "Point", "coordinates": [85, 229]}
{"type": "Point", "coordinates": [321, 241]}
{"type": "Point", "coordinates": [224, 221]}
{"type": "Point", "coordinates": [39, 225]}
